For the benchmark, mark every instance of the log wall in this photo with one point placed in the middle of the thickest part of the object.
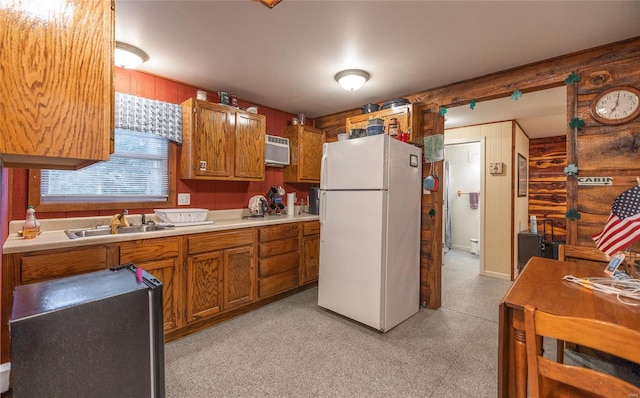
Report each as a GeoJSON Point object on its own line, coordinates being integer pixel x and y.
{"type": "Point", "coordinates": [548, 183]}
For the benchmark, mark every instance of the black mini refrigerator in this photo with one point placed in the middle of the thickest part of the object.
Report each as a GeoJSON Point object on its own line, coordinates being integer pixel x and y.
{"type": "Point", "coordinates": [93, 335]}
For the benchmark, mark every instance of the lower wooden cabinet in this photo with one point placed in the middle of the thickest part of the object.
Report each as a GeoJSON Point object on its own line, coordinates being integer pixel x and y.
{"type": "Point", "coordinates": [220, 272]}
{"type": "Point", "coordinates": [203, 275]}
{"type": "Point", "coordinates": [279, 258]}
{"type": "Point", "coordinates": [310, 265]}
{"type": "Point", "coordinates": [161, 257]}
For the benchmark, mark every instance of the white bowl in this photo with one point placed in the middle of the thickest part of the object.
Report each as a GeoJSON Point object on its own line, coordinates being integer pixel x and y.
{"type": "Point", "coordinates": [177, 216]}
{"type": "Point", "coordinates": [252, 109]}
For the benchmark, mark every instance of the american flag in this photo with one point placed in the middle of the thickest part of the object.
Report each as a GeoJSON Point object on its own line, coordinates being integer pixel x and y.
{"type": "Point", "coordinates": [623, 226]}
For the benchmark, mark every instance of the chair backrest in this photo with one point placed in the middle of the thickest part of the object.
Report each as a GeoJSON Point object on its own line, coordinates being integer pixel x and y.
{"type": "Point", "coordinates": [545, 374]}
{"type": "Point", "coordinates": [569, 252]}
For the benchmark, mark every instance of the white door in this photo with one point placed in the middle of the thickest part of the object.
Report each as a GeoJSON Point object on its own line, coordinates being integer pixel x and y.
{"type": "Point", "coordinates": [355, 164]}
{"type": "Point", "coordinates": [352, 230]}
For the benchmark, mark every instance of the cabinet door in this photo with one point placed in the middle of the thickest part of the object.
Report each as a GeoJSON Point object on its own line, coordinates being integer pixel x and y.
{"type": "Point", "coordinates": [249, 146]}
{"type": "Point", "coordinates": [305, 145]}
{"type": "Point", "coordinates": [204, 285]}
{"type": "Point", "coordinates": [42, 265]}
{"type": "Point", "coordinates": [310, 258]}
{"type": "Point", "coordinates": [165, 271]}
{"type": "Point", "coordinates": [56, 90]}
{"type": "Point", "coordinates": [213, 141]}
{"type": "Point", "coordinates": [239, 277]}
{"type": "Point", "coordinates": [161, 258]}
{"type": "Point", "coordinates": [310, 155]}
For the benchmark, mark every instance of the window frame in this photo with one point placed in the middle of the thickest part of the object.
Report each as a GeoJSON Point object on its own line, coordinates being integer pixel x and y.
{"type": "Point", "coordinates": [35, 198]}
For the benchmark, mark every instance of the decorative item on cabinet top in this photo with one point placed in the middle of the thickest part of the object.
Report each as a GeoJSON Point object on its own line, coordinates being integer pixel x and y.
{"type": "Point", "coordinates": [276, 151]}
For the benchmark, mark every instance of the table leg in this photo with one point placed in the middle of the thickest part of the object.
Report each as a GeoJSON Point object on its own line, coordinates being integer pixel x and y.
{"type": "Point", "coordinates": [504, 350]}
{"type": "Point", "coordinates": [520, 364]}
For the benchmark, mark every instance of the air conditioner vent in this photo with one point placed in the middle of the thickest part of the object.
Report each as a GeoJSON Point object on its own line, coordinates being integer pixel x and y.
{"type": "Point", "coordinates": [276, 151]}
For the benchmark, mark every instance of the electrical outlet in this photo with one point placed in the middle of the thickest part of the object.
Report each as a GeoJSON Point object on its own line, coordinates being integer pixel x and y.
{"type": "Point", "coordinates": [184, 199]}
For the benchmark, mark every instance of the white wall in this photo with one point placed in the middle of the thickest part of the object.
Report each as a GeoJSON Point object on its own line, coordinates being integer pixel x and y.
{"type": "Point", "coordinates": [496, 193]}
{"type": "Point", "coordinates": [464, 176]}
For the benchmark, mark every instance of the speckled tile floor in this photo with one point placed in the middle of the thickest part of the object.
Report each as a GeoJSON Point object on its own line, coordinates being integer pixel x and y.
{"type": "Point", "coordinates": [293, 348]}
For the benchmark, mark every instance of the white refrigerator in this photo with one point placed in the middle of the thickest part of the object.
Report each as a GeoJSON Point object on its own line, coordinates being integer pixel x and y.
{"type": "Point", "coordinates": [370, 190]}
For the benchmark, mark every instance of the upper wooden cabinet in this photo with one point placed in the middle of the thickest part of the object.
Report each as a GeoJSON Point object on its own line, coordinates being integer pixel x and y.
{"type": "Point", "coordinates": [402, 113]}
{"type": "Point", "coordinates": [220, 142]}
{"type": "Point", "coordinates": [56, 89]}
{"type": "Point", "coordinates": [305, 144]}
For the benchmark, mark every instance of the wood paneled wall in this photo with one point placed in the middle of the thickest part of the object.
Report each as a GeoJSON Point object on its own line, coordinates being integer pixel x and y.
{"type": "Point", "coordinates": [611, 150]}
{"type": "Point", "coordinates": [548, 183]}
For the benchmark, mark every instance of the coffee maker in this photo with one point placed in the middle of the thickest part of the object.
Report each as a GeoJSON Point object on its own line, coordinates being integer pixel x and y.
{"type": "Point", "coordinates": [314, 200]}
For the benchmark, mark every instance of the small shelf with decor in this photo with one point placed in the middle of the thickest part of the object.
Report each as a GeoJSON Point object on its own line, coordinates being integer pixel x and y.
{"type": "Point", "coordinates": [402, 113]}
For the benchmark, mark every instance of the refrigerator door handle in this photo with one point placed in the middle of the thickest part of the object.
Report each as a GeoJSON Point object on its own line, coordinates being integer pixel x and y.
{"type": "Point", "coordinates": [323, 168]}
{"type": "Point", "coordinates": [323, 206]}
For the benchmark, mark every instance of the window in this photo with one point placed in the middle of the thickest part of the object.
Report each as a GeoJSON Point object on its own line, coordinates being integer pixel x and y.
{"type": "Point", "coordinates": [136, 172]}
{"type": "Point", "coordinates": [139, 174]}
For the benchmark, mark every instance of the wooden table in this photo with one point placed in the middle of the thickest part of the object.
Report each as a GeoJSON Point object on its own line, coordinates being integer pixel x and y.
{"type": "Point", "coordinates": [540, 284]}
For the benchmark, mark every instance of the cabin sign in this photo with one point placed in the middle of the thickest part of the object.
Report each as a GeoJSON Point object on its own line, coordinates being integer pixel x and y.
{"type": "Point", "coordinates": [595, 181]}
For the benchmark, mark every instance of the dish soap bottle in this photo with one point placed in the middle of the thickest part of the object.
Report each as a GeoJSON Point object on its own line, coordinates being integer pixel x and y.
{"type": "Point", "coordinates": [31, 226]}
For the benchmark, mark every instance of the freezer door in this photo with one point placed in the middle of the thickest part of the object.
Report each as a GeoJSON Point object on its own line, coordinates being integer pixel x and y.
{"type": "Point", "coordinates": [352, 230]}
{"type": "Point", "coordinates": [355, 164]}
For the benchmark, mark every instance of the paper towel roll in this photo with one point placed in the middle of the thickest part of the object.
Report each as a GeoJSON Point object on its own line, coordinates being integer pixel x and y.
{"type": "Point", "coordinates": [291, 203]}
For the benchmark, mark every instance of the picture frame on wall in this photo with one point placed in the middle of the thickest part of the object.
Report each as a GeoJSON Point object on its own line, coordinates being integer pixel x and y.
{"type": "Point", "coordinates": [522, 176]}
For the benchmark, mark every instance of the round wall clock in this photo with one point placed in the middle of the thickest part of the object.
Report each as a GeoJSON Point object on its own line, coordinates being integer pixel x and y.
{"type": "Point", "coordinates": [616, 105]}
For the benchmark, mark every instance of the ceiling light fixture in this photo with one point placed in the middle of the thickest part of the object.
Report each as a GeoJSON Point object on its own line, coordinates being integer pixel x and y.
{"type": "Point", "coordinates": [270, 3]}
{"type": "Point", "coordinates": [352, 79]}
{"type": "Point", "coordinates": [128, 56]}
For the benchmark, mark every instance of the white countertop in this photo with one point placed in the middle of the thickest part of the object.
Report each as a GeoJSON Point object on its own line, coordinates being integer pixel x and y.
{"type": "Point", "coordinates": [53, 236]}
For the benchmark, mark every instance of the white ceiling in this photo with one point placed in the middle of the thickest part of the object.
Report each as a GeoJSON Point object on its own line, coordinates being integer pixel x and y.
{"type": "Point", "coordinates": [286, 57]}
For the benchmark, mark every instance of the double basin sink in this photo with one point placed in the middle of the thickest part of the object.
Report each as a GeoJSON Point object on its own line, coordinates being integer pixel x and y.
{"type": "Point", "coordinates": [89, 232]}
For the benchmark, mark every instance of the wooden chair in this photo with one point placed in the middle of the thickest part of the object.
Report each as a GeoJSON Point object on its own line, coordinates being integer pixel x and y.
{"type": "Point", "coordinates": [577, 254]}
{"type": "Point", "coordinates": [569, 253]}
{"type": "Point", "coordinates": [552, 379]}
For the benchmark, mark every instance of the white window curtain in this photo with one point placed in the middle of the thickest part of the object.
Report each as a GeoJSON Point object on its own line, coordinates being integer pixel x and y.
{"type": "Point", "coordinates": [148, 116]}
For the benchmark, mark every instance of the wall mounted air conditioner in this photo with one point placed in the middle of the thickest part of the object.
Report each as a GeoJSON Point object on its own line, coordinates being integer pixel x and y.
{"type": "Point", "coordinates": [276, 151]}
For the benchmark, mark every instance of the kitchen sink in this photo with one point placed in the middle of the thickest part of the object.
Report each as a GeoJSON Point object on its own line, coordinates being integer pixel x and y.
{"type": "Point", "coordinates": [86, 233]}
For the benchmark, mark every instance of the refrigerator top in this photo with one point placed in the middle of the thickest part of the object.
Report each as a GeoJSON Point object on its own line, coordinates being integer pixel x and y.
{"type": "Point", "coordinates": [366, 163]}
{"type": "Point", "coordinates": [53, 295]}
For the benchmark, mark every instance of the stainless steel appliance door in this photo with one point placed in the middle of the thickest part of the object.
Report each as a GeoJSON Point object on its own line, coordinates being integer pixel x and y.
{"type": "Point", "coordinates": [353, 227]}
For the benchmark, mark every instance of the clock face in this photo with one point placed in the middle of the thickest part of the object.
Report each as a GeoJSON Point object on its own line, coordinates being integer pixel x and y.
{"type": "Point", "coordinates": [616, 106]}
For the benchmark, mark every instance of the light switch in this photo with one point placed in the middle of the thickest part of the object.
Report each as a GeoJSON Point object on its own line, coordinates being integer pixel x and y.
{"type": "Point", "coordinates": [184, 199]}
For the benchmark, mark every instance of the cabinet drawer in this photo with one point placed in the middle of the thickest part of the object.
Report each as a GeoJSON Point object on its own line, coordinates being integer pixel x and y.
{"type": "Point", "coordinates": [219, 240]}
{"type": "Point", "coordinates": [278, 283]}
{"type": "Point", "coordinates": [276, 264]}
{"type": "Point", "coordinates": [149, 249]}
{"type": "Point", "coordinates": [278, 247]}
{"type": "Point", "coordinates": [64, 263]}
{"type": "Point", "coordinates": [281, 231]}
{"type": "Point", "coordinates": [310, 228]}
